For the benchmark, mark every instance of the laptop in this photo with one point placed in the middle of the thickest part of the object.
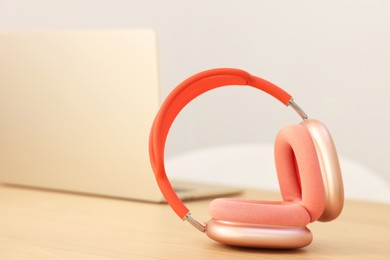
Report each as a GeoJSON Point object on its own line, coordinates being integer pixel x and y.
{"type": "Point", "coordinates": [76, 109]}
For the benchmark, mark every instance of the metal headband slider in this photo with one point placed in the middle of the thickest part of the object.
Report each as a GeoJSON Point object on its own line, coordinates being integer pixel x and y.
{"type": "Point", "coordinates": [297, 109]}
{"type": "Point", "coordinates": [201, 227]}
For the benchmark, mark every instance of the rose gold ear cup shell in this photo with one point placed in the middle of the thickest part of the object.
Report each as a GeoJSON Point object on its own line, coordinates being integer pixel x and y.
{"type": "Point", "coordinates": [330, 169]}
{"type": "Point", "coordinates": [259, 236]}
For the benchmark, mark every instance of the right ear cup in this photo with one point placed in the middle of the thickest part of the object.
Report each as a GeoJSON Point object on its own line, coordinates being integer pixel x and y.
{"type": "Point", "coordinates": [300, 183]}
{"type": "Point", "coordinates": [298, 169]}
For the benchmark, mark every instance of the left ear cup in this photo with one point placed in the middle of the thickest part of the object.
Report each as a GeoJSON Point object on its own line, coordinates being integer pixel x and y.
{"type": "Point", "coordinates": [259, 212]}
{"type": "Point", "coordinates": [298, 169]}
{"type": "Point", "coordinates": [262, 224]}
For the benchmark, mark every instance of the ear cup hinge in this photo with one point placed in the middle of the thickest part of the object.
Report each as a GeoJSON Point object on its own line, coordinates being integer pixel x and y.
{"type": "Point", "coordinates": [299, 110]}
{"type": "Point", "coordinates": [199, 226]}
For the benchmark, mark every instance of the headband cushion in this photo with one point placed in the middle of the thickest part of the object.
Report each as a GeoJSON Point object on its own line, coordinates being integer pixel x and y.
{"type": "Point", "coordinates": [259, 212]}
{"type": "Point", "coordinates": [298, 169]}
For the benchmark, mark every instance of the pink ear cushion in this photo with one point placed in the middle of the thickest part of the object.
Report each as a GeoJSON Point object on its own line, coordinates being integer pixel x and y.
{"type": "Point", "coordinates": [259, 212]}
{"type": "Point", "coordinates": [300, 183]}
{"type": "Point", "coordinates": [294, 148]}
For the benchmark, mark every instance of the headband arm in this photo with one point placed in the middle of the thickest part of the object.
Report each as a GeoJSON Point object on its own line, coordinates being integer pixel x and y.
{"type": "Point", "coordinates": [177, 100]}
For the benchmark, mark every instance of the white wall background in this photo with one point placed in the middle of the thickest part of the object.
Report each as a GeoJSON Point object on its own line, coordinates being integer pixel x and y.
{"type": "Point", "coordinates": [333, 56]}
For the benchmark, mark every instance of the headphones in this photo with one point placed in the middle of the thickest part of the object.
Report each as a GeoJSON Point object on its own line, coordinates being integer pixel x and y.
{"type": "Point", "coordinates": [306, 162]}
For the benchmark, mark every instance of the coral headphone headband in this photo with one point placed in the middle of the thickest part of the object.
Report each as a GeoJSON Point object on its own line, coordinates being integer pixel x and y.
{"type": "Point", "coordinates": [177, 100]}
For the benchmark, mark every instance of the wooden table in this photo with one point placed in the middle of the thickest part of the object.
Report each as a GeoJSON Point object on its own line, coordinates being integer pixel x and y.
{"type": "Point", "coordinates": [38, 224]}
